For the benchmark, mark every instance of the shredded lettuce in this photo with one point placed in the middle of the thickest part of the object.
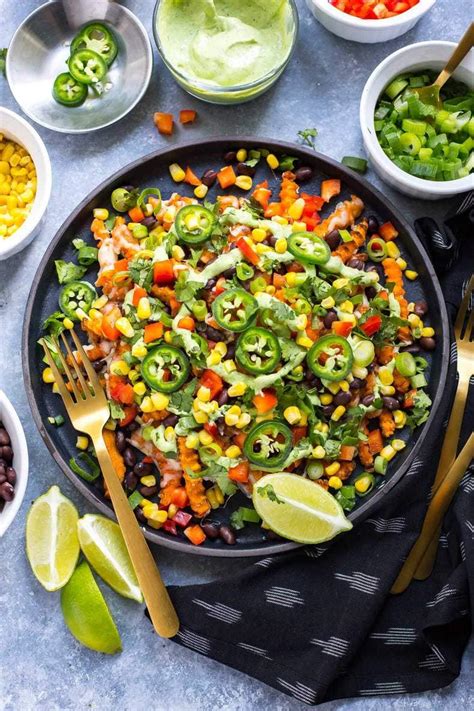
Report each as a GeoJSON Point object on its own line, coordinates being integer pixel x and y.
{"type": "Point", "coordinates": [165, 445]}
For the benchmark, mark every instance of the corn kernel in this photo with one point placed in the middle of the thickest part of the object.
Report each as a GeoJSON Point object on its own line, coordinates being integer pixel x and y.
{"type": "Point", "coordinates": [328, 302]}
{"type": "Point", "coordinates": [259, 234]}
{"type": "Point", "coordinates": [101, 213]}
{"type": "Point", "coordinates": [344, 386]}
{"type": "Point", "coordinates": [326, 398]}
{"type": "Point", "coordinates": [160, 401]}
{"type": "Point", "coordinates": [347, 306]}
{"type": "Point", "coordinates": [241, 155]}
{"type": "Point", "coordinates": [146, 405]}
{"type": "Point", "coordinates": [292, 414]}
{"type": "Point", "coordinates": [427, 332]}
{"type": "Point", "coordinates": [230, 419]}
{"type": "Point", "coordinates": [291, 279]}
{"type": "Point", "coordinates": [335, 482]}
{"type": "Point", "coordinates": [82, 442]}
{"type": "Point", "coordinates": [233, 451]}
{"type": "Point", "coordinates": [68, 323]}
{"type": "Point", "coordinates": [229, 366]}
{"type": "Point", "coordinates": [387, 390]}
{"type": "Point", "coordinates": [359, 371]}
{"type": "Point", "coordinates": [100, 302]}
{"type": "Point", "coordinates": [192, 440]}
{"type": "Point", "coordinates": [177, 252]}
{"type": "Point", "coordinates": [385, 376]}
{"type": "Point", "coordinates": [119, 367]}
{"type": "Point", "coordinates": [156, 518]}
{"type": "Point", "coordinates": [303, 340]}
{"type": "Point", "coordinates": [411, 275]}
{"type": "Point", "coordinates": [234, 410]}
{"type": "Point", "coordinates": [318, 452]}
{"type": "Point", "coordinates": [340, 283]}
{"type": "Point", "coordinates": [281, 246]}
{"type": "Point", "coordinates": [148, 480]}
{"type": "Point", "coordinates": [244, 182]}
{"type": "Point", "coordinates": [399, 418]}
{"type": "Point", "coordinates": [237, 389]}
{"type": "Point", "coordinates": [262, 248]}
{"type": "Point", "coordinates": [299, 227]}
{"type": "Point", "coordinates": [211, 497]}
{"type": "Point", "coordinates": [332, 469]}
{"type": "Point", "coordinates": [279, 220]}
{"type": "Point", "coordinates": [139, 350]}
{"type": "Point", "coordinates": [139, 388]}
{"type": "Point", "coordinates": [201, 418]}
{"type": "Point", "coordinates": [203, 394]}
{"type": "Point", "coordinates": [388, 452]}
{"type": "Point", "coordinates": [301, 322]}
{"type": "Point", "coordinates": [172, 510]}
{"type": "Point", "coordinates": [333, 387]}
{"type": "Point", "coordinates": [362, 484]}
{"type": "Point", "coordinates": [296, 209]}
{"type": "Point", "coordinates": [338, 413]}
{"type": "Point", "coordinates": [144, 308]}
{"type": "Point", "coordinates": [177, 173]}
{"type": "Point", "coordinates": [392, 250]}
{"type": "Point", "coordinates": [414, 321]}
{"type": "Point", "coordinates": [272, 161]}
{"type": "Point", "coordinates": [124, 326]}
{"type": "Point", "coordinates": [221, 348]}
{"type": "Point", "coordinates": [401, 263]}
{"type": "Point", "coordinates": [214, 358]}
{"type": "Point", "coordinates": [270, 289]}
{"type": "Point", "coordinates": [168, 336]}
{"type": "Point", "coordinates": [398, 444]}
{"type": "Point", "coordinates": [244, 420]}
{"type": "Point", "coordinates": [48, 376]}
{"type": "Point", "coordinates": [200, 191]}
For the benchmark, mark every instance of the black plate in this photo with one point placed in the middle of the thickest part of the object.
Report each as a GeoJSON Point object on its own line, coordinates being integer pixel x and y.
{"type": "Point", "coordinates": [152, 170]}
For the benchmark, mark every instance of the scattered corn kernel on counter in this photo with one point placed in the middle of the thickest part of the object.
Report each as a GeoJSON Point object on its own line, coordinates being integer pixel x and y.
{"type": "Point", "coordinates": [242, 336]}
{"type": "Point", "coordinates": [17, 185]}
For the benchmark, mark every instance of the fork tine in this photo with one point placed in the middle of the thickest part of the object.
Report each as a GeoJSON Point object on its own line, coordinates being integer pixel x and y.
{"type": "Point", "coordinates": [468, 333]}
{"type": "Point", "coordinates": [465, 303]}
{"type": "Point", "coordinates": [67, 370]}
{"type": "Point", "coordinates": [92, 375]}
{"type": "Point", "coordinates": [80, 376]}
{"type": "Point", "coordinates": [58, 378]}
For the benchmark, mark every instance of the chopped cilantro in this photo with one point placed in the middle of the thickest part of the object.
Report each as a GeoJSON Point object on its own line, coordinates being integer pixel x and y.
{"type": "Point", "coordinates": [68, 271]}
{"type": "Point", "coordinates": [141, 272]}
{"type": "Point", "coordinates": [307, 136]}
{"type": "Point", "coordinates": [269, 492]}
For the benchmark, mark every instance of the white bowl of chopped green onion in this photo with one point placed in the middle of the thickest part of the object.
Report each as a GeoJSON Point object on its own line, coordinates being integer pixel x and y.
{"type": "Point", "coordinates": [424, 152]}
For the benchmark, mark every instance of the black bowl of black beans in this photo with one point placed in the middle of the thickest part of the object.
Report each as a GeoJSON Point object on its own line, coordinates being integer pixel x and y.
{"type": "Point", "coordinates": [13, 463]}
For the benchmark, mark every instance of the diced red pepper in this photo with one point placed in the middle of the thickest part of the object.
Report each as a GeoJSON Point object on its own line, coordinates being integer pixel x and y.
{"type": "Point", "coordinates": [187, 116]}
{"type": "Point", "coordinates": [181, 518]}
{"type": "Point", "coordinates": [136, 214]}
{"type": "Point", "coordinates": [240, 472]}
{"type": "Point", "coordinates": [138, 293]}
{"type": "Point", "coordinates": [130, 414]}
{"type": "Point", "coordinates": [262, 194]}
{"type": "Point", "coordinates": [341, 328]}
{"type": "Point", "coordinates": [265, 401]}
{"type": "Point", "coordinates": [108, 324]}
{"type": "Point", "coordinates": [388, 232]}
{"type": "Point", "coordinates": [372, 325]}
{"type": "Point", "coordinates": [248, 251]}
{"type": "Point", "coordinates": [163, 272]}
{"type": "Point", "coordinates": [299, 433]}
{"type": "Point", "coordinates": [191, 178]}
{"type": "Point", "coordinates": [120, 390]}
{"type": "Point", "coordinates": [195, 534]}
{"type": "Point", "coordinates": [164, 123]}
{"type": "Point", "coordinates": [153, 331]}
{"type": "Point", "coordinates": [211, 380]}
{"type": "Point", "coordinates": [226, 177]}
{"type": "Point", "coordinates": [330, 188]}
{"type": "Point", "coordinates": [170, 527]}
{"type": "Point", "coordinates": [179, 497]}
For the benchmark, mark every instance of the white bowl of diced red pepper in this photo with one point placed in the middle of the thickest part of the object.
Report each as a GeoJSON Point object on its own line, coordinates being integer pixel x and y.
{"type": "Point", "coordinates": [355, 19]}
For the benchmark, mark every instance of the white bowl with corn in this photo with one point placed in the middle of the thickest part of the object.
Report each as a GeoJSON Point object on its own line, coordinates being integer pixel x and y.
{"type": "Point", "coordinates": [25, 183]}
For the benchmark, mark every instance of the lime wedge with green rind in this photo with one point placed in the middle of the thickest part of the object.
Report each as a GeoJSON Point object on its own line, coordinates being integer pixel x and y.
{"type": "Point", "coordinates": [298, 508]}
{"type": "Point", "coordinates": [86, 613]}
{"type": "Point", "coordinates": [102, 543]}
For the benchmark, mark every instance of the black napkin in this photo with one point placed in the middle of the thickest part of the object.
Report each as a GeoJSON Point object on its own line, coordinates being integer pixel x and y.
{"type": "Point", "coordinates": [319, 623]}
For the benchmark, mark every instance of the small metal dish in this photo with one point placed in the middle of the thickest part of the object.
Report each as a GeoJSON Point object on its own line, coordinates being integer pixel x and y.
{"type": "Point", "coordinates": [40, 47]}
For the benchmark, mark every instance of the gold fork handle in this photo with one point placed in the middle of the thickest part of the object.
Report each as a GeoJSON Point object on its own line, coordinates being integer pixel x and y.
{"type": "Point", "coordinates": [162, 613]}
{"type": "Point", "coordinates": [453, 430]}
{"type": "Point", "coordinates": [426, 565]}
{"type": "Point", "coordinates": [464, 45]}
{"type": "Point", "coordinates": [434, 516]}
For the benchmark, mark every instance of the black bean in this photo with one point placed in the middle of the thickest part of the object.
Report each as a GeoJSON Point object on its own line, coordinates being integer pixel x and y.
{"type": "Point", "coordinates": [3, 477]}
{"type": "Point", "coordinates": [371, 366]}
{"type": "Point", "coordinates": [227, 535]}
{"type": "Point", "coordinates": [170, 421]}
{"type": "Point", "coordinates": [303, 174]}
{"type": "Point", "coordinates": [147, 491]}
{"type": "Point", "coordinates": [243, 169]}
{"type": "Point", "coordinates": [140, 515]}
{"type": "Point", "coordinates": [230, 350]}
{"type": "Point", "coordinates": [98, 365]}
{"type": "Point", "coordinates": [150, 222]}
{"type": "Point", "coordinates": [3, 467]}
{"type": "Point", "coordinates": [330, 317]}
{"type": "Point", "coordinates": [272, 536]}
{"type": "Point", "coordinates": [213, 334]}
{"type": "Point", "coordinates": [220, 424]}
{"type": "Point", "coordinates": [356, 384]}
{"type": "Point", "coordinates": [132, 427]}
{"type": "Point", "coordinates": [376, 268]}
{"type": "Point", "coordinates": [342, 398]}
{"type": "Point", "coordinates": [223, 397]}
{"type": "Point", "coordinates": [272, 240]}
{"type": "Point", "coordinates": [372, 225]}
{"type": "Point", "coordinates": [6, 453]}
{"type": "Point", "coordinates": [368, 400]}
{"type": "Point", "coordinates": [328, 410]}
{"type": "Point", "coordinates": [412, 348]}
{"type": "Point", "coordinates": [370, 292]}
{"type": "Point", "coordinates": [4, 438]}
{"type": "Point", "coordinates": [333, 239]}
{"type": "Point", "coordinates": [310, 378]}
{"type": "Point", "coordinates": [129, 457]}
{"type": "Point", "coordinates": [120, 440]}
{"type": "Point", "coordinates": [400, 397]}
{"type": "Point", "coordinates": [209, 177]}
{"type": "Point", "coordinates": [356, 263]}
{"type": "Point", "coordinates": [390, 403]}
{"type": "Point", "coordinates": [131, 481]}
{"type": "Point", "coordinates": [210, 284]}
{"type": "Point", "coordinates": [229, 273]}
{"type": "Point", "coordinates": [428, 344]}
{"type": "Point", "coordinates": [11, 476]}
{"type": "Point", "coordinates": [143, 468]}
{"type": "Point", "coordinates": [421, 308]}
{"type": "Point", "coordinates": [230, 156]}
{"type": "Point", "coordinates": [210, 529]}
{"type": "Point", "coordinates": [7, 492]}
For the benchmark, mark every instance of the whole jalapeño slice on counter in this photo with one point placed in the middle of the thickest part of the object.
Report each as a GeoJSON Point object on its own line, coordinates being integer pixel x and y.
{"type": "Point", "coordinates": [87, 66]}
{"type": "Point", "coordinates": [77, 295]}
{"type": "Point", "coordinates": [268, 444]}
{"type": "Point", "coordinates": [330, 358]}
{"type": "Point", "coordinates": [165, 368]}
{"type": "Point", "coordinates": [99, 39]}
{"type": "Point", "coordinates": [308, 248]}
{"type": "Point", "coordinates": [67, 91]}
{"type": "Point", "coordinates": [258, 351]}
{"type": "Point", "coordinates": [234, 309]}
{"type": "Point", "coordinates": [194, 224]}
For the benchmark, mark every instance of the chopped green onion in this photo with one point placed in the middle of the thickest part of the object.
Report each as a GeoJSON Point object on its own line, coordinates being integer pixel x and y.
{"type": "Point", "coordinates": [244, 271]}
{"type": "Point", "coordinates": [89, 474]}
{"type": "Point", "coordinates": [405, 364]}
{"type": "Point", "coordinates": [134, 499]}
{"type": "Point", "coordinates": [346, 236]}
{"type": "Point", "coordinates": [57, 420]}
{"type": "Point", "coordinates": [357, 164]}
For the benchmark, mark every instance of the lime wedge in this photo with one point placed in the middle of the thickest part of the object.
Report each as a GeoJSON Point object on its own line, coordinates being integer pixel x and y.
{"type": "Point", "coordinates": [52, 545]}
{"type": "Point", "coordinates": [298, 509]}
{"type": "Point", "coordinates": [86, 613]}
{"type": "Point", "coordinates": [103, 545]}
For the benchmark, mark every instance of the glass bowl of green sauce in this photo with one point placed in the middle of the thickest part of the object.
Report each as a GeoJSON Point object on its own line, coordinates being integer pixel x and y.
{"type": "Point", "coordinates": [225, 51]}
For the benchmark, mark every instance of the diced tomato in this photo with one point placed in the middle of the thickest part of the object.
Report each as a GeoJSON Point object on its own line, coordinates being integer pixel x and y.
{"type": "Point", "coordinates": [130, 414]}
{"type": "Point", "coordinates": [239, 439]}
{"type": "Point", "coordinates": [248, 251]}
{"type": "Point", "coordinates": [226, 177]}
{"type": "Point", "coordinates": [153, 331]}
{"type": "Point", "coordinates": [373, 9]}
{"type": "Point", "coordinates": [120, 390]}
{"type": "Point", "coordinates": [299, 433]}
{"type": "Point", "coordinates": [179, 497]}
{"type": "Point", "coordinates": [273, 208]}
{"type": "Point", "coordinates": [347, 453]}
{"type": "Point", "coordinates": [264, 401]}
{"type": "Point", "coordinates": [311, 222]}
{"type": "Point", "coordinates": [240, 472]}
{"type": "Point", "coordinates": [191, 178]}
{"type": "Point", "coordinates": [138, 293]}
{"type": "Point", "coordinates": [108, 324]}
{"type": "Point", "coordinates": [182, 518]}
{"type": "Point", "coordinates": [187, 322]}
{"type": "Point", "coordinates": [330, 188]}
{"type": "Point", "coordinates": [163, 272]}
{"type": "Point", "coordinates": [195, 534]}
{"type": "Point", "coordinates": [187, 116]}
{"type": "Point", "coordinates": [136, 214]}
{"type": "Point", "coordinates": [372, 325]}
{"type": "Point", "coordinates": [388, 232]}
{"type": "Point", "coordinates": [211, 380]}
{"type": "Point", "coordinates": [341, 328]}
{"type": "Point", "coordinates": [164, 123]}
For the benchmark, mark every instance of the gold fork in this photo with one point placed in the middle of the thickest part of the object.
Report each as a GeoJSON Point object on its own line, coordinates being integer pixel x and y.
{"type": "Point", "coordinates": [88, 409]}
{"type": "Point", "coordinates": [428, 543]}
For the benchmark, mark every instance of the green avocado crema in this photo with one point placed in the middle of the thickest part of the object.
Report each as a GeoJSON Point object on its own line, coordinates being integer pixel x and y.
{"type": "Point", "coordinates": [225, 42]}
